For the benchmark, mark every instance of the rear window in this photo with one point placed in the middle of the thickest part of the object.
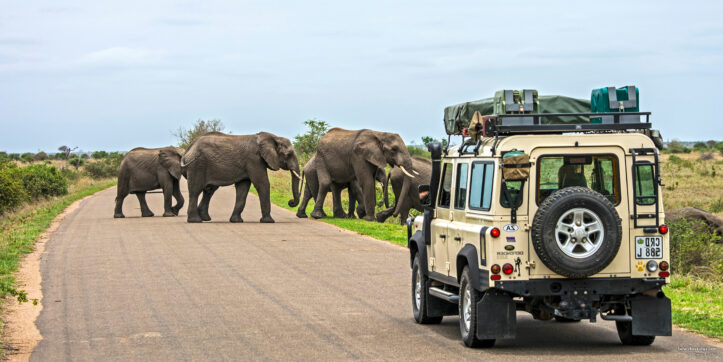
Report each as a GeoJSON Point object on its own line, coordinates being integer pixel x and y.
{"type": "Point", "coordinates": [644, 184]}
{"type": "Point", "coordinates": [460, 192]}
{"type": "Point", "coordinates": [597, 172]}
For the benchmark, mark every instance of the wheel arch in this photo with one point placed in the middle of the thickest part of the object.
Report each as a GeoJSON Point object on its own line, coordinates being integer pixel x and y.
{"type": "Point", "coordinates": [416, 245]}
{"type": "Point", "coordinates": [468, 257]}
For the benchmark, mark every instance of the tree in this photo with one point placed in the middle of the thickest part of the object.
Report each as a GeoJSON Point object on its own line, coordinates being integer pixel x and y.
{"type": "Point", "coordinates": [305, 144]}
{"type": "Point", "coordinates": [76, 162]}
{"type": "Point", "coordinates": [698, 146]}
{"type": "Point", "coordinates": [85, 156]}
{"type": "Point", "coordinates": [200, 128]}
{"type": "Point", "coordinates": [27, 157]}
{"type": "Point", "coordinates": [99, 154]}
{"type": "Point", "coordinates": [66, 150]}
{"type": "Point", "coordinates": [14, 156]}
{"type": "Point", "coordinates": [41, 156]}
{"type": "Point", "coordinates": [711, 144]}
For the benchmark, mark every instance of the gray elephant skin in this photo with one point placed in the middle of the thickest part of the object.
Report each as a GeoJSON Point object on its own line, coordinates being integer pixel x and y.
{"type": "Point", "coordinates": [310, 186]}
{"type": "Point", "coordinates": [217, 159]}
{"type": "Point", "coordinates": [406, 191]}
{"type": "Point", "coordinates": [344, 156]}
{"type": "Point", "coordinates": [145, 169]}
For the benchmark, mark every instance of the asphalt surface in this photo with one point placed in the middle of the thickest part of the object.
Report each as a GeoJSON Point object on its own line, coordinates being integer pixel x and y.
{"type": "Point", "coordinates": [162, 289]}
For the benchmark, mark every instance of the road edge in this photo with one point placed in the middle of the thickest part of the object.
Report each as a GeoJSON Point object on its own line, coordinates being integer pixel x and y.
{"type": "Point", "coordinates": [21, 335]}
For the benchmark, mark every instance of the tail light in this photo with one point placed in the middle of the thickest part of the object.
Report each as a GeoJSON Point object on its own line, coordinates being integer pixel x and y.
{"type": "Point", "coordinates": [495, 269]}
{"type": "Point", "coordinates": [663, 229]}
{"type": "Point", "coordinates": [664, 266]}
{"type": "Point", "coordinates": [664, 274]}
{"type": "Point", "coordinates": [495, 232]}
{"type": "Point", "coordinates": [496, 277]}
{"type": "Point", "coordinates": [508, 268]}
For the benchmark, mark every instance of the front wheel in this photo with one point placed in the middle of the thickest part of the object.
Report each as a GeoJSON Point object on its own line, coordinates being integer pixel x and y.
{"type": "Point", "coordinates": [420, 295]}
{"type": "Point", "coordinates": [468, 298]}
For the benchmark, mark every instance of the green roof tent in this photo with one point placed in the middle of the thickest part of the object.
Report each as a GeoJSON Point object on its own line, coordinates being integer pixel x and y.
{"type": "Point", "coordinates": [458, 116]}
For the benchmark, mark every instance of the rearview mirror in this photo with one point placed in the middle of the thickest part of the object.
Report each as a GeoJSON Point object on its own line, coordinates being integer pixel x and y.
{"type": "Point", "coordinates": [424, 195]}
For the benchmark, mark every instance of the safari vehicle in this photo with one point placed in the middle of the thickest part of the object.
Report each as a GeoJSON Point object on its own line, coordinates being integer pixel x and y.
{"type": "Point", "coordinates": [548, 208]}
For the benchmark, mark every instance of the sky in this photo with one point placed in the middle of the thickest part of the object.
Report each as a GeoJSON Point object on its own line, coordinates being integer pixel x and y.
{"type": "Point", "coordinates": [113, 75]}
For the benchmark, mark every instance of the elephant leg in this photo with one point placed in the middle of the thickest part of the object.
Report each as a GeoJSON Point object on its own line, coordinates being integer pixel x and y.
{"type": "Point", "coordinates": [208, 192]}
{"type": "Point", "coordinates": [384, 214]}
{"type": "Point", "coordinates": [301, 211]}
{"type": "Point", "coordinates": [324, 186]}
{"type": "Point", "coordinates": [194, 189]}
{"type": "Point", "coordinates": [122, 193]}
{"type": "Point", "coordinates": [366, 181]}
{"type": "Point", "coordinates": [356, 189]}
{"type": "Point", "coordinates": [145, 211]}
{"type": "Point", "coordinates": [167, 200]}
{"type": "Point", "coordinates": [261, 183]}
{"type": "Point", "coordinates": [178, 196]}
{"type": "Point", "coordinates": [242, 190]}
{"type": "Point", "coordinates": [336, 201]}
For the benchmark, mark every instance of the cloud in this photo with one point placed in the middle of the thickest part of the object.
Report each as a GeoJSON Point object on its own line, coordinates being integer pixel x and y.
{"type": "Point", "coordinates": [122, 57]}
{"type": "Point", "coordinates": [181, 22]}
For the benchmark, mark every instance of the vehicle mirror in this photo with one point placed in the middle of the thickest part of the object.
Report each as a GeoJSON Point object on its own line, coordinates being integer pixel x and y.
{"type": "Point", "coordinates": [424, 195]}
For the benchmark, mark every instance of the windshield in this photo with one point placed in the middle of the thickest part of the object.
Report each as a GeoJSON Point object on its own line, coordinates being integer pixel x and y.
{"type": "Point", "coordinates": [597, 172]}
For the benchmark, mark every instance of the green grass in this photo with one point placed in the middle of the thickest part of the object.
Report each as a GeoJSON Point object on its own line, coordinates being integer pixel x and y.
{"type": "Point", "coordinates": [697, 304]}
{"type": "Point", "coordinates": [22, 229]}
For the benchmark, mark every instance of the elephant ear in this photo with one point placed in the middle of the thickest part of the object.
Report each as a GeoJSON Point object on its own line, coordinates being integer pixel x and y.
{"type": "Point", "coordinates": [369, 146]}
{"type": "Point", "coordinates": [267, 149]}
{"type": "Point", "coordinates": [171, 161]}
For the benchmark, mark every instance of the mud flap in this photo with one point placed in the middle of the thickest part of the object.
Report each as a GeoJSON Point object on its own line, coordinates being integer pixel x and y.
{"type": "Point", "coordinates": [496, 316]}
{"type": "Point", "coordinates": [651, 316]}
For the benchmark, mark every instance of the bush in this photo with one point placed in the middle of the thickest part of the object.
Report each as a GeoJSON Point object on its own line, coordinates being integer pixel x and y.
{"type": "Point", "coordinates": [12, 192]}
{"type": "Point", "coordinates": [420, 151]}
{"type": "Point", "coordinates": [76, 162]}
{"type": "Point", "coordinates": [105, 168]}
{"type": "Point", "coordinates": [677, 147]}
{"type": "Point", "coordinates": [41, 156]}
{"type": "Point", "coordinates": [27, 157]}
{"type": "Point", "coordinates": [695, 249]}
{"type": "Point", "coordinates": [700, 146]}
{"type": "Point", "coordinates": [41, 180]}
{"type": "Point", "coordinates": [99, 155]}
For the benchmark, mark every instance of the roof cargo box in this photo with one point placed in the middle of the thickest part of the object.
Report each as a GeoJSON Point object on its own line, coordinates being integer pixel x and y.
{"type": "Point", "coordinates": [611, 100]}
{"type": "Point", "coordinates": [516, 102]}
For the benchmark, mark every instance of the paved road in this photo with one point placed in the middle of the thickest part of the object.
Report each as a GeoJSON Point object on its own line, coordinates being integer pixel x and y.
{"type": "Point", "coordinates": [161, 289]}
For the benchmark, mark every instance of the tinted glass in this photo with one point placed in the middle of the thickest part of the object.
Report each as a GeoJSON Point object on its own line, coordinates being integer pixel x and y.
{"type": "Point", "coordinates": [460, 192]}
{"type": "Point", "coordinates": [446, 189]}
{"type": "Point", "coordinates": [597, 172]}
{"type": "Point", "coordinates": [480, 193]}
{"type": "Point", "coordinates": [645, 184]}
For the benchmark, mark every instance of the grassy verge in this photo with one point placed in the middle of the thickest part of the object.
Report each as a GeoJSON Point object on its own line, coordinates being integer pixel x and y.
{"type": "Point", "coordinates": [697, 304]}
{"type": "Point", "coordinates": [21, 229]}
{"type": "Point", "coordinates": [389, 231]}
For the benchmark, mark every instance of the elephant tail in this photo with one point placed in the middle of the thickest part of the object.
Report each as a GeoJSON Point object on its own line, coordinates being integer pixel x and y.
{"type": "Point", "coordinates": [385, 188]}
{"type": "Point", "coordinates": [188, 158]}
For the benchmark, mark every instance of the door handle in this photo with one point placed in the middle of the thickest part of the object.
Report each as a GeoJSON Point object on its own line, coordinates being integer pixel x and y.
{"type": "Point", "coordinates": [457, 238]}
{"type": "Point", "coordinates": [441, 236]}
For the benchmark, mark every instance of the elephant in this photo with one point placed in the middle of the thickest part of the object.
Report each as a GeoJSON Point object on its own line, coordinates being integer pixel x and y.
{"type": "Point", "coordinates": [406, 192]}
{"type": "Point", "coordinates": [311, 189]}
{"type": "Point", "coordinates": [217, 159]}
{"type": "Point", "coordinates": [145, 169]}
{"type": "Point", "coordinates": [344, 156]}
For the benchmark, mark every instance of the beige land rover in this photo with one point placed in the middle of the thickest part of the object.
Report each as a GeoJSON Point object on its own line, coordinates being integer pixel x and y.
{"type": "Point", "coordinates": [563, 220]}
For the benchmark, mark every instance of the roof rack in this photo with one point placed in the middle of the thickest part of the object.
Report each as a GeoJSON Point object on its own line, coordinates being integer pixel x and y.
{"type": "Point", "coordinates": [495, 125]}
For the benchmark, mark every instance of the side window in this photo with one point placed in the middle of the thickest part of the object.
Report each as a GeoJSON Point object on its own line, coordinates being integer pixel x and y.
{"type": "Point", "coordinates": [480, 192]}
{"type": "Point", "coordinates": [644, 184]}
{"type": "Point", "coordinates": [460, 192]}
{"type": "Point", "coordinates": [445, 190]}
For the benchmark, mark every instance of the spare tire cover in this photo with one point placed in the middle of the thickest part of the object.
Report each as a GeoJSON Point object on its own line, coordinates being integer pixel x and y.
{"type": "Point", "coordinates": [576, 232]}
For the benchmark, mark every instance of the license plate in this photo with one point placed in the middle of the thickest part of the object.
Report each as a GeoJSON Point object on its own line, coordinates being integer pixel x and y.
{"type": "Point", "coordinates": [648, 247]}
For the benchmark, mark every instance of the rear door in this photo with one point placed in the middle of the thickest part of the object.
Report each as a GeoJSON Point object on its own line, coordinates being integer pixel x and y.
{"type": "Point", "coordinates": [458, 222]}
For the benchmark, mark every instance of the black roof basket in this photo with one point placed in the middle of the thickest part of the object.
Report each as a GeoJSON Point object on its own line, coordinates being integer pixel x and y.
{"type": "Point", "coordinates": [508, 124]}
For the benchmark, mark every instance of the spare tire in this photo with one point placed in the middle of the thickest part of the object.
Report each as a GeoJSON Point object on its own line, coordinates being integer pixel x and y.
{"type": "Point", "coordinates": [576, 232]}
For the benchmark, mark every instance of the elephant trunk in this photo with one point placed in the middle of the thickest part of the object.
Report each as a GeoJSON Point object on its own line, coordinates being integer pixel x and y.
{"type": "Point", "coordinates": [295, 187]}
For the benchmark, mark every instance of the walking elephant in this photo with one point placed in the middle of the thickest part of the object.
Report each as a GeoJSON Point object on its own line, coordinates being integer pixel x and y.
{"type": "Point", "coordinates": [311, 189]}
{"type": "Point", "coordinates": [406, 192]}
{"type": "Point", "coordinates": [344, 156]}
{"type": "Point", "coordinates": [217, 159]}
{"type": "Point", "coordinates": [145, 169]}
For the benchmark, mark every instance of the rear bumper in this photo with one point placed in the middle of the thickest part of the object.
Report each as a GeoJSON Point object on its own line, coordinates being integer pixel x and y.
{"type": "Point", "coordinates": [562, 287]}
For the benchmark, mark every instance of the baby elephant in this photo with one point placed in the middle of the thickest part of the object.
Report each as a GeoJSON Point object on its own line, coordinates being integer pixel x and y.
{"type": "Point", "coordinates": [145, 169]}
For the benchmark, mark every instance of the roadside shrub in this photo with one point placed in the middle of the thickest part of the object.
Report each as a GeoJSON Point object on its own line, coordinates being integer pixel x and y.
{"type": "Point", "coordinates": [420, 151]}
{"type": "Point", "coordinates": [41, 180]}
{"type": "Point", "coordinates": [105, 168]}
{"type": "Point", "coordinates": [695, 250]}
{"type": "Point", "coordinates": [305, 144]}
{"type": "Point", "coordinates": [12, 192]}
{"type": "Point", "coordinates": [76, 162]}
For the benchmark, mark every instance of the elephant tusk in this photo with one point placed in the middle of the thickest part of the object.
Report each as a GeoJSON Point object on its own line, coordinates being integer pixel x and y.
{"type": "Point", "coordinates": [415, 172]}
{"type": "Point", "coordinates": [296, 174]}
{"type": "Point", "coordinates": [405, 172]}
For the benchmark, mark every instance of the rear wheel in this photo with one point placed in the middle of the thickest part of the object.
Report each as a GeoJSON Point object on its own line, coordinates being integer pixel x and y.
{"type": "Point", "coordinates": [625, 332]}
{"type": "Point", "coordinates": [420, 295]}
{"type": "Point", "coordinates": [468, 298]}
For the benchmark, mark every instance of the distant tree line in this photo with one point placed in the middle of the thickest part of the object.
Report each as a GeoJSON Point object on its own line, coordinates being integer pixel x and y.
{"type": "Point", "coordinates": [679, 147]}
